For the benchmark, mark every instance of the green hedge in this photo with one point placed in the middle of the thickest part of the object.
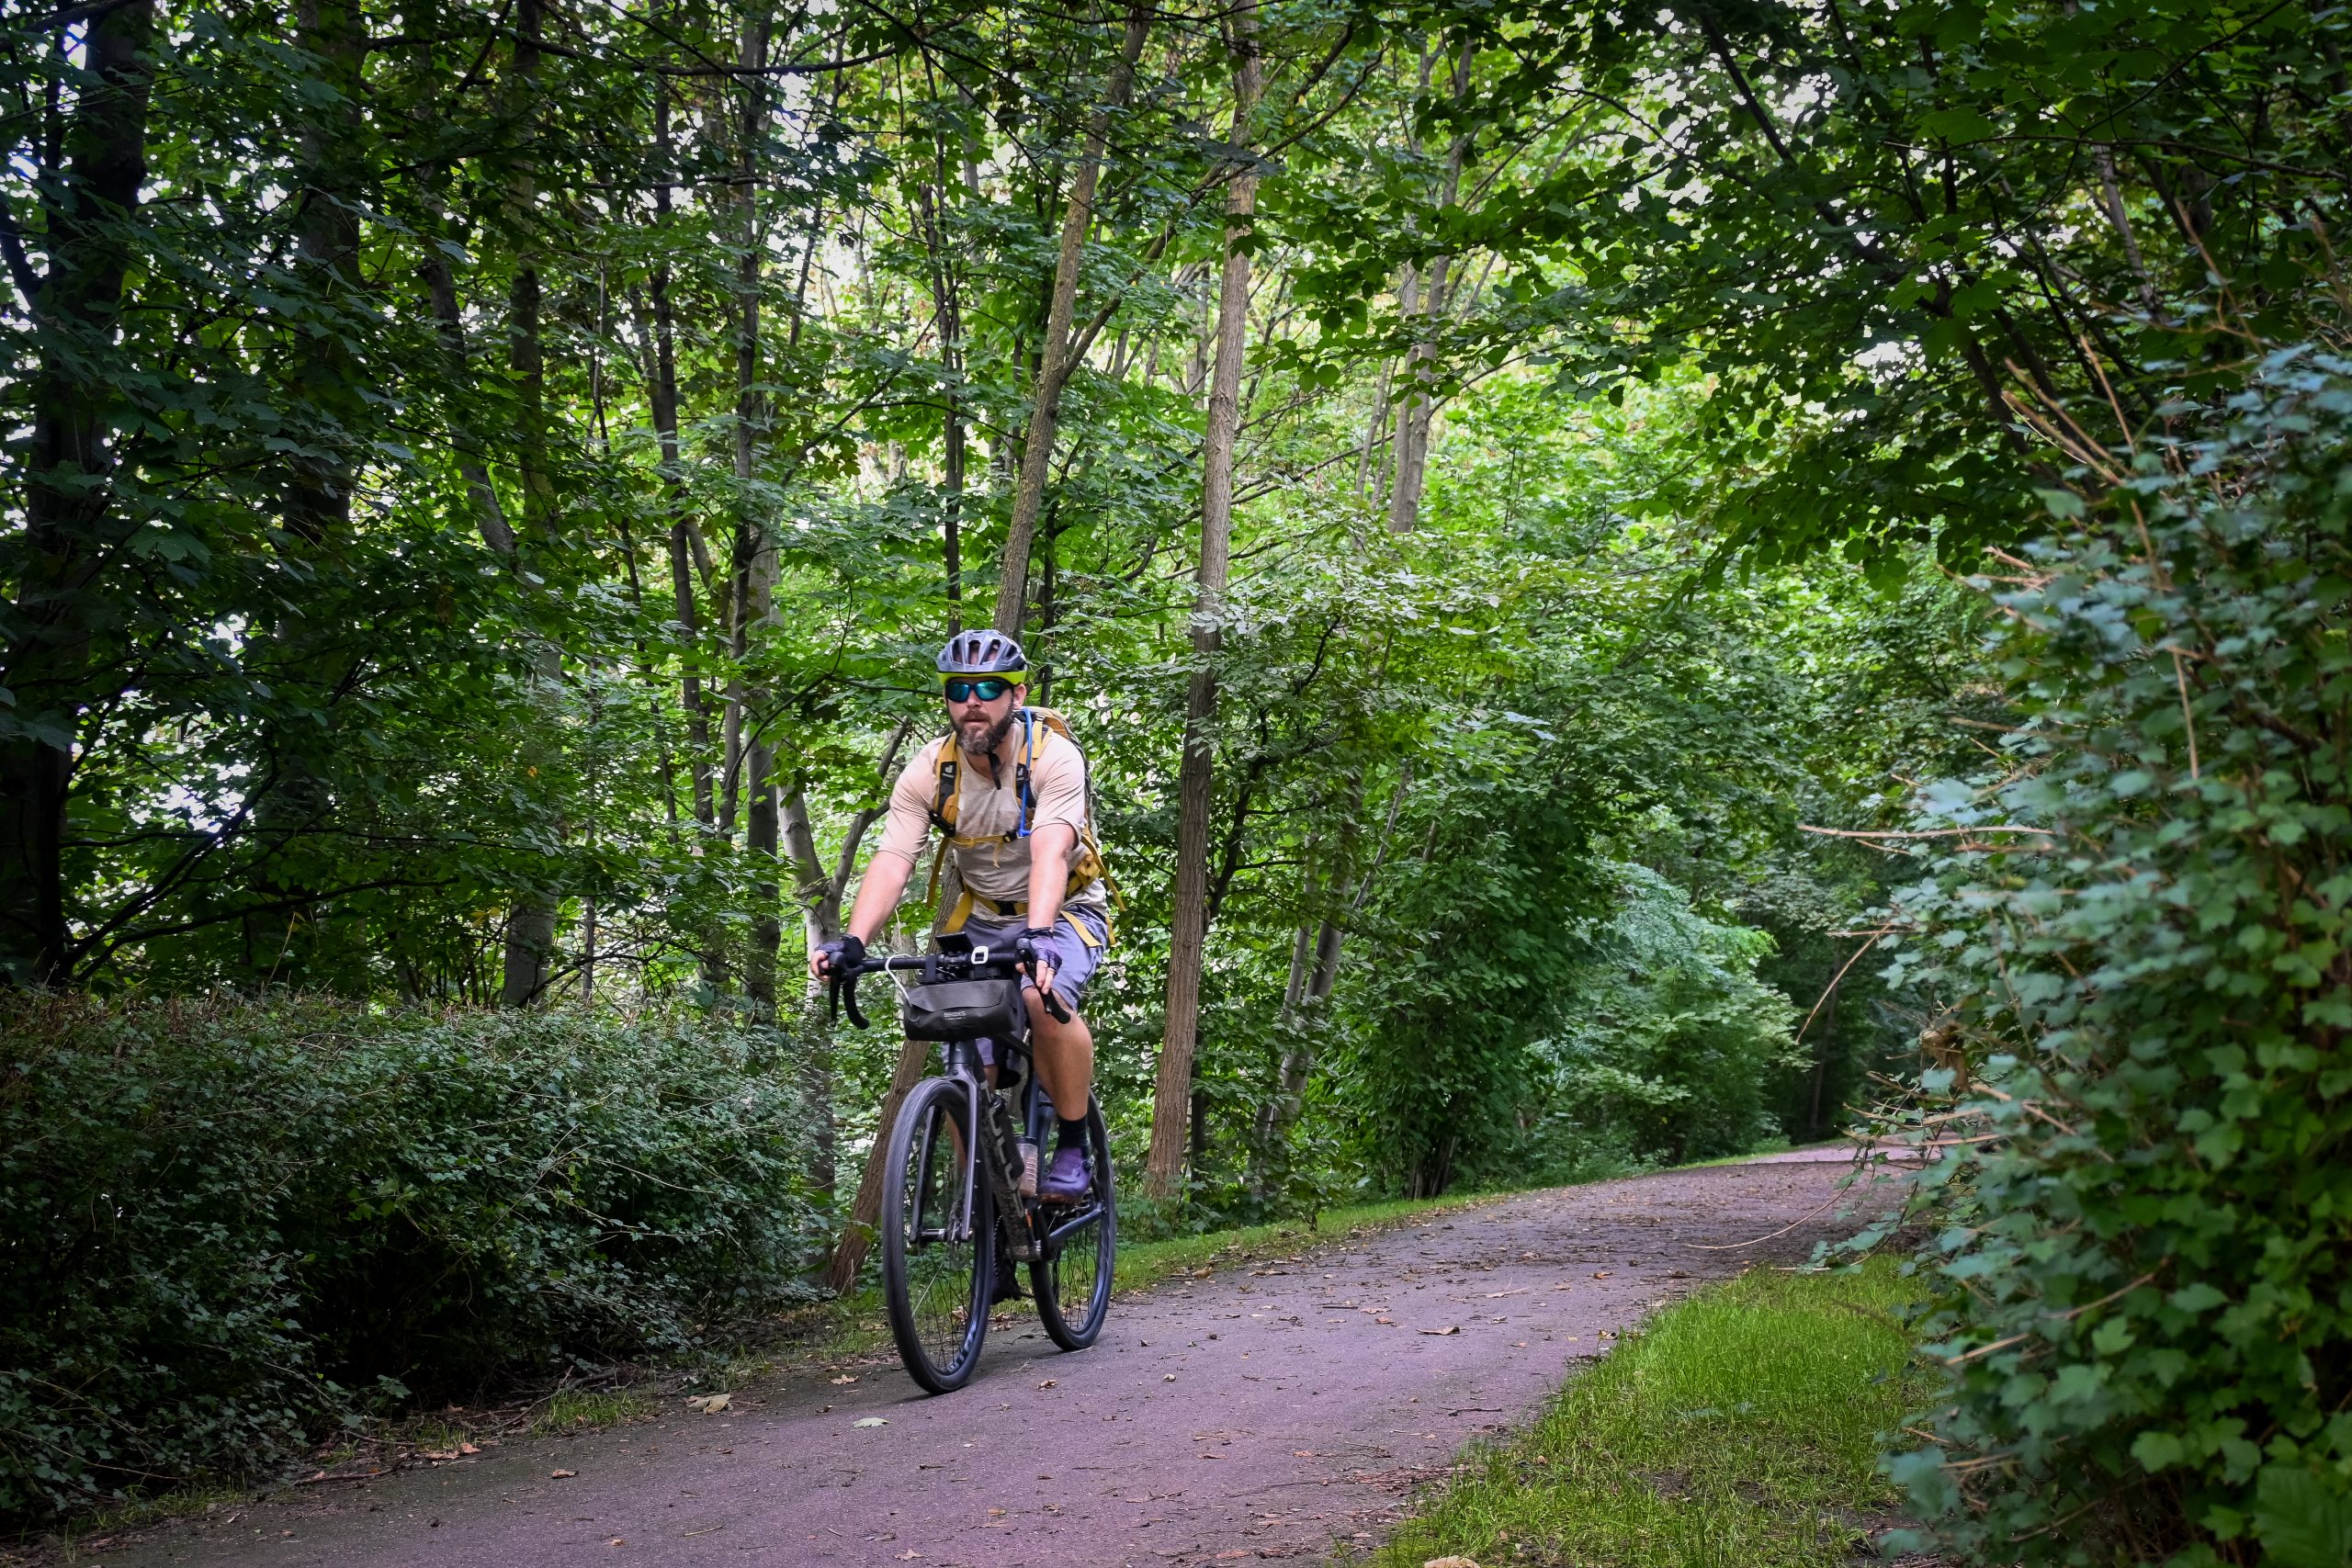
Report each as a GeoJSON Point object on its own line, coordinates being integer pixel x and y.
{"type": "Point", "coordinates": [229, 1225]}
{"type": "Point", "coordinates": [2145, 935]}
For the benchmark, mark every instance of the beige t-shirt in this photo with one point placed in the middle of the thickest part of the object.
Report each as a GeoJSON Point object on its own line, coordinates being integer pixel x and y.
{"type": "Point", "coordinates": [995, 868]}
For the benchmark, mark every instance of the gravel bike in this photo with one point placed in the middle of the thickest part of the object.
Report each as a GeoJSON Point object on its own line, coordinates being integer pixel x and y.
{"type": "Point", "coordinates": [960, 1180]}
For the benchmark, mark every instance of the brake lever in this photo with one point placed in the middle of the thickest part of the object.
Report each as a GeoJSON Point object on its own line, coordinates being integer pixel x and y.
{"type": "Point", "coordinates": [849, 1002]}
{"type": "Point", "coordinates": [1054, 1006]}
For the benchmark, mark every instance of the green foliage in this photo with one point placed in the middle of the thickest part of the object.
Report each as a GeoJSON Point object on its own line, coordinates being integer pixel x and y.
{"type": "Point", "coordinates": [1667, 1043]}
{"type": "Point", "coordinates": [2141, 933]}
{"type": "Point", "coordinates": [231, 1225]}
{"type": "Point", "coordinates": [1739, 1426]}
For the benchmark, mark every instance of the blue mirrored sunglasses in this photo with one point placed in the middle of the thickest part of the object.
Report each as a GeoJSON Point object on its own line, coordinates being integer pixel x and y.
{"type": "Point", "coordinates": [987, 689]}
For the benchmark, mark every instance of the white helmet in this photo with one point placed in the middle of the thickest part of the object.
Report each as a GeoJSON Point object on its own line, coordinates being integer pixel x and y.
{"type": "Point", "coordinates": [982, 653]}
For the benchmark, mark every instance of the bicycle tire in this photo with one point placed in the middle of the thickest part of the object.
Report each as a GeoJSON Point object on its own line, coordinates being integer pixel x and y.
{"type": "Point", "coordinates": [935, 1287]}
{"type": "Point", "coordinates": [1072, 1284]}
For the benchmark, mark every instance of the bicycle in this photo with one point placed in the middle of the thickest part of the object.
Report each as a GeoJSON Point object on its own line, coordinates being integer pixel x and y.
{"type": "Point", "coordinates": [957, 1207]}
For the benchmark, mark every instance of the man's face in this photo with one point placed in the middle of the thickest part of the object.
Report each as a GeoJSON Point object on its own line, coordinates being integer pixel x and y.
{"type": "Point", "coordinates": [980, 724]}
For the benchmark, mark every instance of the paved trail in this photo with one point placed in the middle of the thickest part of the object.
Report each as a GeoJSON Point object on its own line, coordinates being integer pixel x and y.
{"type": "Point", "coordinates": [1285, 1410]}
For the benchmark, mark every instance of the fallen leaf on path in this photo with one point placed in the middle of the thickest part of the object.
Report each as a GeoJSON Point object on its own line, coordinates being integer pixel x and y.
{"type": "Point", "coordinates": [1047, 1384]}
{"type": "Point", "coordinates": [708, 1404]}
{"type": "Point", "coordinates": [1212, 1456]}
{"type": "Point", "coordinates": [1302, 1453]}
{"type": "Point", "coordinates": [467, 1448]}
{"type": "Point", "coordinates": [1600, 1273]}
{"type": "Point", "coordinates": [869, 1421]}
{"type": "Point", "coordinates": [908, 1556]}
{"type": "Point", "coordinates": [618, 1541]}
{"type": "Point", "coordinates": [562, 1475]}
{"type": "Point", "coordinates": [996, 1513]}
{"type": "Point", "coordinates": [1168, 1377]}
{"type": "Point", "coordinates": [845, 1377]}
{"type": "Point", "coordinates": [1449, 1563]}
{"type": "Point", "coordinates": [1449, 1328]}
{"type": "Point", "coordinates": [1497, 1295]}
{"type": "Point", "coordinates": [1389, 1321]}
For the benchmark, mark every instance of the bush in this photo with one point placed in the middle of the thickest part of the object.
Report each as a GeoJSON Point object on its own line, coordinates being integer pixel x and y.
{"type": "Point", "coordinates": [2145, 1282]}
{"type": "Point", "coordinates": [229, 1225]}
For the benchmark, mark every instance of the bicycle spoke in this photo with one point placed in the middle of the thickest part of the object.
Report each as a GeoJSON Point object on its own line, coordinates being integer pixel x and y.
{"type": "Point", "coordinates": [940, 1239]}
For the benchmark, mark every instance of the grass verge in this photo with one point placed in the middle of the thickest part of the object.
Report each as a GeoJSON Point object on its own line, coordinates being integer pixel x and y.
{"type": "Point", "coordinates": [575, 1410]}
{"type": "Point", "coordinates": [1740, 1428]}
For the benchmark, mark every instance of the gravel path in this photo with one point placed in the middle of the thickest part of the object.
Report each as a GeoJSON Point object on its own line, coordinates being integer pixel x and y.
{"type": "Point", "coordinates": [1285, 1410]}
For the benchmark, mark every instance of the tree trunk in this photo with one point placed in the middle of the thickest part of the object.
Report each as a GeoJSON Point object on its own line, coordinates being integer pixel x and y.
{"type": "Point", "coordinates": [1054, 359]}
{"type": "Point", "coordinates": [947, 309]}
{"type": "Point", "coordinates": [531, 920]}
{"type": "Point", "coordinates": [858, 1236]}
{"type": "Point", "coordinates": [1171, 1098]}
{"type": "Point", "coordinates": [1417, 409]}
{"type": "Point", "coordinates": [820, 894]}
{"type": "Point", "coordinates": [68, 495]}
{"type": "Point", "coordinates": [326, 385]}
{"type": "Point", "coordinates": [663, 395]}
{"type": "Point", "coordinates": [489, 517]}
{"type": "Point", "coordinates": [323, 390]}
{"type": "Point", "coordinates": [756, 551]}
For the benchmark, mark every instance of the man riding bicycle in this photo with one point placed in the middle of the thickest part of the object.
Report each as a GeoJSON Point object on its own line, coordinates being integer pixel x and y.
{"type": "Point", "coordinates": [1006, 787]}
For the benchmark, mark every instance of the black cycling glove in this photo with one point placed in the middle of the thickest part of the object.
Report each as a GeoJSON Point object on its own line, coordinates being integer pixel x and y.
{"type": "Point", "coordinates": [843, 952]}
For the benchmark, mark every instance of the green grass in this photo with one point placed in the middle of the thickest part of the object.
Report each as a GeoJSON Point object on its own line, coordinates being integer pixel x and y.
{"type": "Point", "coordinates": [576, 1411]}
{"type": "Point", "coordinates": [81, 1540]}
{"type": "Point", "coordinates": [1739, 1430]}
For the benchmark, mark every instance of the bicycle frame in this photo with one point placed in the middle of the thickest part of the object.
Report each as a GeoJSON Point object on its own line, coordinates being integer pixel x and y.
{"type": "Point", "coordinates": [1030, 1243]}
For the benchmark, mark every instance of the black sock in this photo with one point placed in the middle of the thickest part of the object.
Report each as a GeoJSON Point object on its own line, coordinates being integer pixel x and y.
{"type": "Point", "coordinates": [1073, 1133]}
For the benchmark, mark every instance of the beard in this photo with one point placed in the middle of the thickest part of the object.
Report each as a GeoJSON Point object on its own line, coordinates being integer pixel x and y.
{"type": "Point", "coordinates": [980, 737]}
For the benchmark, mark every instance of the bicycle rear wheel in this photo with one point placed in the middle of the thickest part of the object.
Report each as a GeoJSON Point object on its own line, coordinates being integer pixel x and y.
{"type": "Point", "coordinates": [1072, 1282]}
{"type": "Point", "coordinates": [937, 1263]}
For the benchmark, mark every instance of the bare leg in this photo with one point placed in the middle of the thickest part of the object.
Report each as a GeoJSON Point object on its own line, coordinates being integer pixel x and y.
{"type": "Point", "coordinates": [1065, 1053]}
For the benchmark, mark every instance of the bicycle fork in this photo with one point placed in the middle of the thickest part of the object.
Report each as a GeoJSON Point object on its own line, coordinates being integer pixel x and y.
{"type": "Point", "coordinates": [999, 1152]}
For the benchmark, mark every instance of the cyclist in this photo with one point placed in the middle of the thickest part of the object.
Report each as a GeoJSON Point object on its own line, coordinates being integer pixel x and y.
{"type": "Point", "coordinates": [1006, 788]}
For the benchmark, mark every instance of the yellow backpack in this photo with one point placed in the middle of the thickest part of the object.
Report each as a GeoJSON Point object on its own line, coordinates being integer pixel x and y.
{"type": "Point", "coordinates": [1086, 863]}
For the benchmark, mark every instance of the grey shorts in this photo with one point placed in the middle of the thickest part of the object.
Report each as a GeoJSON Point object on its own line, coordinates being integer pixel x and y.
{"type": "Point", "coordinates": [1074, 961]}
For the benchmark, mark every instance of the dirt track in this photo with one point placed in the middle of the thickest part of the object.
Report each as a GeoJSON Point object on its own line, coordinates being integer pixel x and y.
{"type": "Point", "coordinates": [1287, 1410]}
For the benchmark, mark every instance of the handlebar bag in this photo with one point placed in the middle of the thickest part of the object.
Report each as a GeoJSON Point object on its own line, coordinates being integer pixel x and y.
{"type": "Point", "coordinates": [964, 1010]}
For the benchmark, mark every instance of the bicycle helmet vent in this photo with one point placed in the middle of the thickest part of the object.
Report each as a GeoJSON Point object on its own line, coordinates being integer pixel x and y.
{"type": "Point", "coordinates": [981, 653]}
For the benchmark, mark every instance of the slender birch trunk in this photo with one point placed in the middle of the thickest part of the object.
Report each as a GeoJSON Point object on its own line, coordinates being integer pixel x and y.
{"type": "Point", "coordinates": [754, 599]}
{"type": "Point", "coordinates": [663, 394]}
{"type": "Point", "coordinates": [1055, 361]}
{"type": "Point", "coordinates": [947, 311]}
{"type": "Point", "coordinates": [1417, 409]}
{"type": "Point", "coordinates": [1171, 1101]}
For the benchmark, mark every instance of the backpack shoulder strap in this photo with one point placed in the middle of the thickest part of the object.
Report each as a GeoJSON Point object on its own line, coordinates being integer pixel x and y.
{"type": "Point", "coordinates": [948, 789]}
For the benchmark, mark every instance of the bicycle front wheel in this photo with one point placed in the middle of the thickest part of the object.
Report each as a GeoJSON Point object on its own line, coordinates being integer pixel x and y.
{"type": "Point", "coordinates": [1072, 1282]}
{"type": "Point", "coordinates": [937, 1263]}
